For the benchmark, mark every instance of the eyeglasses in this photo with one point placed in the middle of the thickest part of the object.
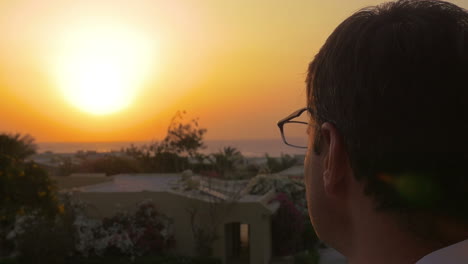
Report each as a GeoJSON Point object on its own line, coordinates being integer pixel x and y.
{"type": "Point", "coordinates": [294, 128]}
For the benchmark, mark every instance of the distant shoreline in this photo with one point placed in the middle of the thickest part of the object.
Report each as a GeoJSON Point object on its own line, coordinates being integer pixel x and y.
{"type": "Point", "coordinates": [249, 147]}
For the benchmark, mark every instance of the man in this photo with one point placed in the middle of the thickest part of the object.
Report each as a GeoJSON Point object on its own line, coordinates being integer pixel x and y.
{"type": "Point", "coordinates": [387, 161]}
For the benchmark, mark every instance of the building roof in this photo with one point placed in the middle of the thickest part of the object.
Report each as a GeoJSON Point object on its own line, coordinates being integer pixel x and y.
{"type": "Point", "coordinates": [135, 183]}
{"type": "Point", "coordinates": [205, 189]}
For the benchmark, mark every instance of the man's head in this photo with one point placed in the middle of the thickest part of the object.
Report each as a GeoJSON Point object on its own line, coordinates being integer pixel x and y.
{"type": "Point", "coordinates": [389, 96]}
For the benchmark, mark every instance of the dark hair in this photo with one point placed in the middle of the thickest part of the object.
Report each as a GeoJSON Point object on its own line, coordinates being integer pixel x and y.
{"type": "Point", "coordinates": [394, 80]}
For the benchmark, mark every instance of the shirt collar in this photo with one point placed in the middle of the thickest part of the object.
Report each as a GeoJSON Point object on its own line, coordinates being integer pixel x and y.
{"type": "Point", "coordinates": [454, 254]}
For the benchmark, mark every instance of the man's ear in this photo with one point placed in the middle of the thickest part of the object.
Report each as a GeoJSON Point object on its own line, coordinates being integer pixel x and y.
{"type": "Point", "coordinates": [336, 169]}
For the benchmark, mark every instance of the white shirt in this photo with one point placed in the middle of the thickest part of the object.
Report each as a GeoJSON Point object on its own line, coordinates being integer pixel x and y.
{"type": "Point", "coordinates": [454, 254]}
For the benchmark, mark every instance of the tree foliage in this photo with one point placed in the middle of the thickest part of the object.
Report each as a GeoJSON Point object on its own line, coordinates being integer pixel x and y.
{"type": "Point", "coordinates": [183, 140]}
{"type": "Point", "coordinates": [17, 146]}
{"type": "Point", "coordinates": [275, 165]}
{"type": "Point", "coordinates": [24, 186]}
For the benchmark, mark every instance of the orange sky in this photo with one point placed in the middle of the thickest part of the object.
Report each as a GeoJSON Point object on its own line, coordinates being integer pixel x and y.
{"type": "Point", "coordinates": [238, 65]}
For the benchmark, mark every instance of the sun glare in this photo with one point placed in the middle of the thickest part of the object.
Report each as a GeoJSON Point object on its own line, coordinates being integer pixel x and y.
{"type": "Point", "coordinates": [100, 70]}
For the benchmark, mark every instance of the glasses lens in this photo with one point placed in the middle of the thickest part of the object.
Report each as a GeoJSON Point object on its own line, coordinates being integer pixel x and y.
{"type": "Point", "coordinates": [296, 133]}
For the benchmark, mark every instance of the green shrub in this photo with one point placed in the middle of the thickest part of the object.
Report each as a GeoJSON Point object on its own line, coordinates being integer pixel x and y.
{"type": "Point", "coordinates": [206, 260]}
{"type": "Point", "coordinates": [8, 261]}
{"type": "Point", "coordinates": [143, 260]}
{"type": "Point", "coordinates": [307, 257]}
{"type": "Point", "coordinates": [309, 237]}
{"type": "Point", "coordinates": [110, 165]}
{"type": "Point", "coordinates": [25, 188]}
{"type": "Point", "coordinates": [287, 226]}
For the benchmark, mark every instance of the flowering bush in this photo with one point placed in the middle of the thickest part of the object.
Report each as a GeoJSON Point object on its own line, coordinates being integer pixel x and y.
{"type": "Point", "coordinates": [31, 213]}
{"type": "Point", "coordinates": [142, 233]}
{"type": "Point", "coordinates": [72, 233]}
{"type": "Point", "coordinates": [42, 238]}
{"type": "Point", "coordinates": [157, 233]}
{"type": "Point", "coordinates": [287, 227]}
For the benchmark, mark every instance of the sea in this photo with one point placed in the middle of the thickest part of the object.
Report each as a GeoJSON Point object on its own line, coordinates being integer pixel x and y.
{"type": "Point", "coordinates": [249, 148]}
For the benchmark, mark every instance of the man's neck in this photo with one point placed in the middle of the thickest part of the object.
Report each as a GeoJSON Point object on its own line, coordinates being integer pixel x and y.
{"type": "Point", "coordinates": [382, 242]}
{"type": "Point", "coordinates": [378, 238]}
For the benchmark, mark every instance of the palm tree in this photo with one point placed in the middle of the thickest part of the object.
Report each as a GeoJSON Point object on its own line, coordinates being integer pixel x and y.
{"type": "Point", "coordinates": [227, 159]}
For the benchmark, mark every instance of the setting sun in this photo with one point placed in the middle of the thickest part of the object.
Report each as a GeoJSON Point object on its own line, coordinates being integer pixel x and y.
{"type": "Point", "coordinates": [100, 70]}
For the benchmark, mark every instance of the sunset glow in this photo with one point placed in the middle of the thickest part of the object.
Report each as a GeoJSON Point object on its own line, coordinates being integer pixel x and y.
{"type": "Point", "coordinates": [100, 70]}
{"type": "Point", "coordinates": [118, 70]}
